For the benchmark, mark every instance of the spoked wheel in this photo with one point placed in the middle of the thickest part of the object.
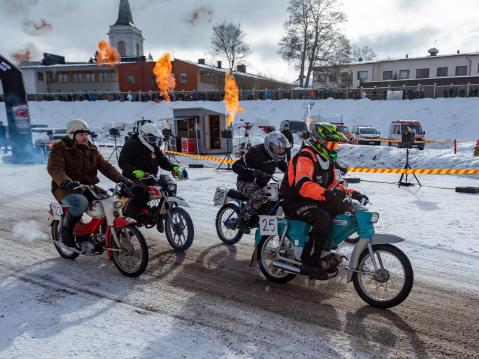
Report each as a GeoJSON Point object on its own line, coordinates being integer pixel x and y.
{"type": "Point", "coordinates": [63, 251]}
{"type": "Point", "coordinates": [393, 281]}
{"type": "Point", "coordinates": [131, 258]}
{"type": "Point", "coordinates": [179, 229]}
{"type": "Point", "coordinates": [269, 248]}
{"type": "Point", "coordinates": [227, 224]}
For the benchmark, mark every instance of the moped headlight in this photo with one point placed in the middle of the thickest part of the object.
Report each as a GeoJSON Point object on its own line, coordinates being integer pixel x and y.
{"type": "Point", "coordinates": [375, 217]}
{"type": "Point", "coordinates": [117, 204]}
{"type": "Point", "coordinates": [172, 187]}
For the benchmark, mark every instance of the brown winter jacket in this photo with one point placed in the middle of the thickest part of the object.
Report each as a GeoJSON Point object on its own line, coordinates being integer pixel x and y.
{"type": "Point", "coordinates": [77, 163]}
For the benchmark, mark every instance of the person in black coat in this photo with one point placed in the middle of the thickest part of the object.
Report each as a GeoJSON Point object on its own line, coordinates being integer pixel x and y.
{"type": "Point", "coordinates": [254, 170]}
{"type": "Point", "coordinates": [289, 136]}
{"type": "Point", "coordinates": [140, 157]}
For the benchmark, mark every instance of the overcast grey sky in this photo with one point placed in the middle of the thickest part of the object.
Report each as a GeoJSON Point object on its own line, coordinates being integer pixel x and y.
{"type": "Point", "coordinates": [391, 28]}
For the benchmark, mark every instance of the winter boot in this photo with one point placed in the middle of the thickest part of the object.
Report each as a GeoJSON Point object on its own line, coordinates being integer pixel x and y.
{"type": "Point", "coordinates": [66, 231]}
{"type": "Point", "coordinates": [243, 226]}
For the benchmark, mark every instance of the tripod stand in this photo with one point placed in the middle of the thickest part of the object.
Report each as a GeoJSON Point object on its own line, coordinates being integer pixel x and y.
{"type": "Point", "coordinates": [407, 167]}
{"type": "Point", "coordinates": [168, 154]}
{"type": "Point", "coordinates": [229, 144]}
{"type": "Point", "coordinates": [116, 150]}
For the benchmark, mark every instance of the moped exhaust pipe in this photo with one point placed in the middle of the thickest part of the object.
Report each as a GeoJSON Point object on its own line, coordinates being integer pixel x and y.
{"type": "Point", "coordinates": [286, 266]}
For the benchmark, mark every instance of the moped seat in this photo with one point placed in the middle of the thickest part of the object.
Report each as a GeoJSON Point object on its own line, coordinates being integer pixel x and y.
{"type": "Point", "coordinates": [232, 193]}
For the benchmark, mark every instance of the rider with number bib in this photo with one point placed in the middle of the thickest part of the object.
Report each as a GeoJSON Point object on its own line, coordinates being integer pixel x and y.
{"type": "Point", "coordinates": [312, 193]}
{"type": "Point", "coordinates": [254, 170]}
{"type": "Point", "coordinates": [140, 157]}
{"type": "Point", "coordinates": [74, 161]}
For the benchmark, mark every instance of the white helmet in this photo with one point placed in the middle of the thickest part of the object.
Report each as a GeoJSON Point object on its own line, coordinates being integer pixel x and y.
{"type": "Point", "coordinates": [151, 134]}
{"type": "Point", "coordinates": [275, 144]}
{"type": "Point", "coordinates": [76, 126]}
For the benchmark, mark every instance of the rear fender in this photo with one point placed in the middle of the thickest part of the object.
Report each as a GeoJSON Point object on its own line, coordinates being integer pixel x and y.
{"type": "Point", "coordinates": [181, 202]}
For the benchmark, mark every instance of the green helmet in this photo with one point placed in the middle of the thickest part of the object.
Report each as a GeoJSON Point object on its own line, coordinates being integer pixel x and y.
{"type": "Point", "coordinates": [324, 138]}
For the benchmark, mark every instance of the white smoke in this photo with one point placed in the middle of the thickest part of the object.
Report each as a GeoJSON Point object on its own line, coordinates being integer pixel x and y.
{"type": "Point", "coordinates": [28, 231]}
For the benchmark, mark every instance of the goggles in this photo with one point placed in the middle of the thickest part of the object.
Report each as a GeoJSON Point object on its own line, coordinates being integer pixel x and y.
{"type": "Point", "coordinates": [331, 146]}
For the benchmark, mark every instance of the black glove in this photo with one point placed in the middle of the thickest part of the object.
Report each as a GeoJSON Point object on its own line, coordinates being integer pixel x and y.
{"type": "Point", "coordinates": [69, 184]}
{"type": "Point", "coordinates": [362, 198]}
{"type": "Point", "coordinates": [260, 174]}
{"type": "Point", "coordinates": [126, 181]}
{"type": "Point", "coordinates": [333, 195]}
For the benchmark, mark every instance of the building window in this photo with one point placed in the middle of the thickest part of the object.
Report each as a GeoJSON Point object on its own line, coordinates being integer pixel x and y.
{"type": "Point", "coordinates": [90, 77]}
{"type": "Point", "coordinates": [422, 73]}
{"type": "Point", "coordinates": [403, 74]}
{"type": "Point", "coordinates": [442, 71]}
{"type": "Point", "coordinates": [131, 79]}
{"type": "Point", "coordinates": [107, 76]}
{"type": "Point", "coordinates": [362, 76]}
{"type": "Point", "coordinates": [50, 77]}
{"type": "Point", "coordinates": [138, 52]}
{"type": "Point", "coordinates": [387, 75]}
{"type": "Point", "coordinates": [122, 48]}
{"type": "Point", "coordinates": [183, 78]}
{"type": "Point", "coordinates": [40, 76]}
{"type": "Point", "coordinates": [321, 78]}
{"type": "Point", "coordinates": [461, 70]}
{"type": "Point", "coordinates": [62, 77]}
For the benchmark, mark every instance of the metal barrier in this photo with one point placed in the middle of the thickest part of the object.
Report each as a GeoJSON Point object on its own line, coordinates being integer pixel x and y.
{"type": "Point", "coordinates": [373, 93]}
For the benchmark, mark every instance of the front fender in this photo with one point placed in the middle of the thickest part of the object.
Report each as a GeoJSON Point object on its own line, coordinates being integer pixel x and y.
{"type": "Point", "coordinates": [363, 245]}
{"type": "Point", "coordinates": [178, 201]}
{"type": "Point", "coordinates": [385, 239]}
{"type": "Point", "coordinates": [122, 222]}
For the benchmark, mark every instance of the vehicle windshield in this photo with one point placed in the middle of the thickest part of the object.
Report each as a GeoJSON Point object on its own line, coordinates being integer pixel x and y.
{"type": "Point", "coordinates": [368, 131]}
{"type": "Point", "coordinates": [297, 126]}
{"type": "Point", "coordinates": [343, 129]}
{"type": "Point", "coordinates": [414, 128]}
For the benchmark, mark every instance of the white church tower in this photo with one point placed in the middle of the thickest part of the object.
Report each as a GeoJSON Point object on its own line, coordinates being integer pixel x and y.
{"type": "Point", "coordinates": [124, 35]}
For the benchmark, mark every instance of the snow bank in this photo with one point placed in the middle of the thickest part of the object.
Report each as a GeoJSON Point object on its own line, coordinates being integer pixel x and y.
{"type": "Point", "coordinates": [443, 119]}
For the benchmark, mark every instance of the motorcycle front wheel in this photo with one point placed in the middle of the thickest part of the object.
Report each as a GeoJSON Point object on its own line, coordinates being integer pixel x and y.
{"type": "Point", "coordinates": [227, 224]}
{"type": "Point", "coordinates": [131, 257]}
{"type": "Point", "coordinates": [391, 284]}
{"type": "Point", "coordinates": [62, 251]}
{"type": "Point", "coordinates": [179, 229]}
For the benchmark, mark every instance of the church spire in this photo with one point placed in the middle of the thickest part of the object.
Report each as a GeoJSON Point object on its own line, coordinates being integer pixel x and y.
{"type": "Point", "coordinates": [124, 14]}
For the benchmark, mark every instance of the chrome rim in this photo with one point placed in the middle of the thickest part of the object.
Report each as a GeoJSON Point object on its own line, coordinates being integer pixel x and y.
{"type": "Point", "coordinates": [228, 224]}
{"type": "Point", "coordinates": [130, 256]}
{"type": "Point", "coordinates": [269, 252]}
{"type": "Point", "coordinates": [177, 228]}
{"type": "Point", "coordinates": [386, 283]}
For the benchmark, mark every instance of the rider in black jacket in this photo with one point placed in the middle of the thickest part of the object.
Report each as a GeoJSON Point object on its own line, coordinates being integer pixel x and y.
{"type": "Point", "coordinates": [255, 169]}
{"type": "Point", "coordinates": [140, 157]}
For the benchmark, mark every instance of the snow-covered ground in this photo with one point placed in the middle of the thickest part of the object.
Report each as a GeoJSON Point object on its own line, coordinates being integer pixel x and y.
{"type": "Point", "coordinates": [210, 303]}
{"type": "Point", "coordinates": [443, 119]}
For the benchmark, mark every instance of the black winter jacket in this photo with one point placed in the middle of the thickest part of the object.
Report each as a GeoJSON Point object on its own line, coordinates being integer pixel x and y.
{"type": "Point", "coordinates": [257, 158]}
{"type": "Point", "coordinates": [136, 156]}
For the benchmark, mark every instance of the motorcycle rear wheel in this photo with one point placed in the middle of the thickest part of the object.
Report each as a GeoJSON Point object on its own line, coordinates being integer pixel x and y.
{"type": "Point", "coordinates": [65, 253]}
{"type": "Point", "coordinates": [268, 248]}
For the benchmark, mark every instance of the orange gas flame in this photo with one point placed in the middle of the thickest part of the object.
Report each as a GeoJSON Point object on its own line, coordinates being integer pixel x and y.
{"type": "Point", "coordinates": [231, 99]}
{"type": "Point", "coordinates": [165, 80]}
{"type": "Point", "coordinates": [107, 54]}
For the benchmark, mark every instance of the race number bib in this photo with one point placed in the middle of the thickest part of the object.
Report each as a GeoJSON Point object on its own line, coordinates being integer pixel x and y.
{"type": "Point", "coordinates": [268, 225]}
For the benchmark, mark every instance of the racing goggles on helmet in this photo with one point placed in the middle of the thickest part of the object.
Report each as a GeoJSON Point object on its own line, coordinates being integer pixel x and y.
{"type": "Point", "coordinates": [152, 139]}
{"type": "Point", "coordinates": [331, 146]}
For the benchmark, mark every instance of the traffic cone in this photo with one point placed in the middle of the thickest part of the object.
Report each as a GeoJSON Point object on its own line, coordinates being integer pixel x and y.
{"type": "Point", "coordinates": [476, 149]}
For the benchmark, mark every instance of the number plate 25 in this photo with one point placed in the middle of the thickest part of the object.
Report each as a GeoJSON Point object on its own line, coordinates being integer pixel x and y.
{"type": "Point", "coordinates": [268, 225]}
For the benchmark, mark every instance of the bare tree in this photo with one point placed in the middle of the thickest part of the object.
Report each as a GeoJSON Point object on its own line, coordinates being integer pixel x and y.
{"type": "Point", "coordinates": [228, 42]}
{"type": "Point", "coordinates": [362, 53]}
{"type": "Point", "coordinates": [313, 36]}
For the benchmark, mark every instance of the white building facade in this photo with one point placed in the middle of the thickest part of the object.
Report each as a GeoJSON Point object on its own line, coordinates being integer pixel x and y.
{"type": "Point", "coordinates": [440, 69]}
